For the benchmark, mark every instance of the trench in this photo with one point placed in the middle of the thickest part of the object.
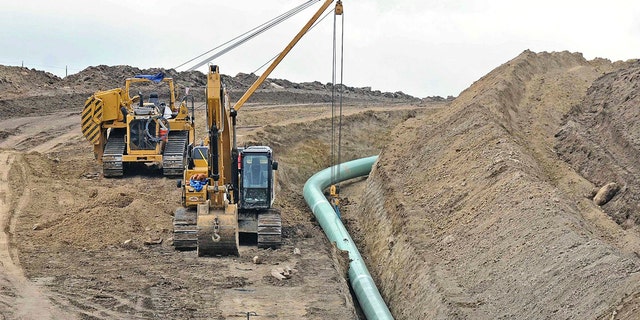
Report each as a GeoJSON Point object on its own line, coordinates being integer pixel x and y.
{"type": "Point", "coordinates": [366, 292]}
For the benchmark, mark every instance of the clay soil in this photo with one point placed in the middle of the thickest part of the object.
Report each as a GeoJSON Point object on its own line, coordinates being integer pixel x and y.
{"type": "Point", "coordinates": [479, 208]}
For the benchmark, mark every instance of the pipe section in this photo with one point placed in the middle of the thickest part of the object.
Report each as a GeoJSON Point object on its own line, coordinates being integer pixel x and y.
{"type": "Point", "coordinates": [359, 277]}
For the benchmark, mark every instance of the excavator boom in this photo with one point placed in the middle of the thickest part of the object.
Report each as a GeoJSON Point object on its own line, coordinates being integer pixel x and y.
{"type": "Point", "coordinates": [221, 198]}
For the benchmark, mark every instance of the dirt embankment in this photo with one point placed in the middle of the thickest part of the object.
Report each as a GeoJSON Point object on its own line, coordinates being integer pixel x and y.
{"type": "Point", "coordinates": [601, 139]}
{"type": "Point", "coordinates": [30, 92]}
{"type": "Point", "coordinates": [475, 217]}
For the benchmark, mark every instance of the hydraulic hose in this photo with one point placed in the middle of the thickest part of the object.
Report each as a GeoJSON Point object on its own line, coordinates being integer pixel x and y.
{"type": "Point", "coordinates": [360, 279]}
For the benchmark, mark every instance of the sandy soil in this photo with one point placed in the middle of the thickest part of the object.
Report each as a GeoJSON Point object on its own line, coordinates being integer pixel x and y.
{"type": "Point", "coordinates": [476, 216]}
{"type": "Point", "coordinates": [76, 245]}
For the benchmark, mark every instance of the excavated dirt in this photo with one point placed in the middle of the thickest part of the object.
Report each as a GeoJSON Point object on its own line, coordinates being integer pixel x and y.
{"type": "Point", "coordinates": [29, 92]}
{"type": "Point", "coordinates": [481, 208]}
{"type": "Point", "coordinates": [470, 213]}
{"type": "Point", "coordinates": [601, 139]}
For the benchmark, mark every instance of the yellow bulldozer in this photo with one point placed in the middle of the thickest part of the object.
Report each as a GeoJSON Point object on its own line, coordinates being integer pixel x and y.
{"type": "Point", "coordinates": [144, 128]}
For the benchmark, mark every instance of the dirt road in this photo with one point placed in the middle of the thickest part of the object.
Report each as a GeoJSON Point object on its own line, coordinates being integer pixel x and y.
{"type": "Point", "coordinates": [22, 298]}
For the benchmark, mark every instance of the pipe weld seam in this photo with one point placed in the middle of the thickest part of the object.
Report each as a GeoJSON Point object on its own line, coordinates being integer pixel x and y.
{"type": "Point", "coordinates": [320, 201]}
{"type": "Point", "coordinates": [358, 278]}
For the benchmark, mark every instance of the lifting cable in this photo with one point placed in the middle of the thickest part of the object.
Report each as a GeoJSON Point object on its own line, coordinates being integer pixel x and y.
{"type": "Point", "coordinates": [274, 57]}
{"type": "Point", "coordinates": [247, 36]}
{"type": "Point", "coordinates": [336, 128]}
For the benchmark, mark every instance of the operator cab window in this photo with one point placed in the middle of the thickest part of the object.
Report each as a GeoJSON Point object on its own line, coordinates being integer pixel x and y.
{"type": "Point", "coordinates": [255, 171]}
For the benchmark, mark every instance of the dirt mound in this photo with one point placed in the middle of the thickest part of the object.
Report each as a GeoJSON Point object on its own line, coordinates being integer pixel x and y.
{"type": "Point", "coordinates": [601, 140]}
{"type": "Point", "coordinates": [28, 92]}
{"type": "Point", "coordinates": [89, 213]}
{"type": "Point", "coordinates": [474, 216]}
{"type": "Point", "coordinates": [22, 81]}
{"type": "Point", "coordinates": [104, 77]}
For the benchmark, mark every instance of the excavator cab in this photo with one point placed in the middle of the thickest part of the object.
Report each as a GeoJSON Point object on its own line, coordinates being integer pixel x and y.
{"type": "Point", "coordinates": [257, 178]}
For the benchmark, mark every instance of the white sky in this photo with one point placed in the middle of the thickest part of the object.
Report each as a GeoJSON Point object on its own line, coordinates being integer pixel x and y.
{"type": "Point", "coordinates": [420, 47]}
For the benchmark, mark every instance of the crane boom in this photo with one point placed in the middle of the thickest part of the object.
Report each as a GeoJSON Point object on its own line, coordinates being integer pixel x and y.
{"type": "Point", "coordinates": [283, 54]}
{"type": "Point", "coordinates": [233, 189]}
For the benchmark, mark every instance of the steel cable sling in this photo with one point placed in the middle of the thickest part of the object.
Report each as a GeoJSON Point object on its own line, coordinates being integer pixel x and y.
{"type": "Point", "coordinates": [248, 35]}
{"type": "Point", "coordinates": [336, 147]}
{"type": "Point", "coordinates": [274, 57]}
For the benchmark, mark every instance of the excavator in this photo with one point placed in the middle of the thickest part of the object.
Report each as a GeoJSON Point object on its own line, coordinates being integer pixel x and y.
{"type": "Point", "coordinates": [125, 129]}
{"type": "Point", "coordinates": [227, 190]}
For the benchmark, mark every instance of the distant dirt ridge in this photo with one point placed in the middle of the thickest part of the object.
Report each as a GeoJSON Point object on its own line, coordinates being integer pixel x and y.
{"type": "Point", "coordinates": [26, 91]}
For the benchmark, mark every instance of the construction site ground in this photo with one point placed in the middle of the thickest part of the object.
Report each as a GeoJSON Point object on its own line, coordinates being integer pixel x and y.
{"type": "Point", "coordinates": [478, 208]}
{"type": "Point", "coordinates": [74, 242]}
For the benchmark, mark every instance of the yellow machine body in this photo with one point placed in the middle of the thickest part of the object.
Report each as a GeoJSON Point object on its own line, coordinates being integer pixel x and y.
{"type": "Point", "coordinates": [126, 129]}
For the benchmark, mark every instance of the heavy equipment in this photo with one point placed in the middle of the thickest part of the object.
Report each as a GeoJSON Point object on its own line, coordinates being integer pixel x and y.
{"type": "Point", "coordinates": [126, 129]}
{"type": "Point", "coordinates": [226, 190]}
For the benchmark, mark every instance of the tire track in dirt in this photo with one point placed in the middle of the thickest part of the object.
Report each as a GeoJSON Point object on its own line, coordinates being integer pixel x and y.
{"type": "Point", "coordinates": [20, 298]}
{"type": "Point", "coordinates": [40, 134]}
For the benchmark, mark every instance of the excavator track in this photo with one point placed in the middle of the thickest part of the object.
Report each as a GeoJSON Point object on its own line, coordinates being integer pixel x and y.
{"type": "Point", "coordinates": [185, 229]}
{"type": "Point", "coordinates": [217, 234]}
{"type": "Point", "coordinates": [112, 155]}
{"type": "Point", "coordinates": [173, 157]}
{"type": "Point", "coordinates": [269, 229]}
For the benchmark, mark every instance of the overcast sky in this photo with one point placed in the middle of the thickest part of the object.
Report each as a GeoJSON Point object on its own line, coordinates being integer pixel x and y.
{"type": "Point", "coordinates": [420, 47]}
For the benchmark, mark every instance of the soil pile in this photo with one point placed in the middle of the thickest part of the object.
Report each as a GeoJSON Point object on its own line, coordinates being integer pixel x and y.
{"type": "Point", "coordinates": [601, 140]}
{"type": "Point", "coordinates": [29, 92]}
{"type": "Point", "coordinates": [469, 214]}
{"type": "Point", "coordinates": [18, 81]}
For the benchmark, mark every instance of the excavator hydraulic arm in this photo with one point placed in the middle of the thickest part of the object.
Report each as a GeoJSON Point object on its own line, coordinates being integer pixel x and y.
{"type": "Point", "coordinates": [213, 216]}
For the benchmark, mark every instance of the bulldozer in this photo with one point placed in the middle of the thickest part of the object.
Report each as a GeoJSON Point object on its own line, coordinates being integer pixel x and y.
{"type": "Point", "coordinates": [229, 191]}
{"type": "Point", "coordinates": [141, 129]}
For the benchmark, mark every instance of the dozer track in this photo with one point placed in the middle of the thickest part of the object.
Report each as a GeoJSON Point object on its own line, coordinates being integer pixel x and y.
{"type": "Point", "coordinates": [185, 229]}
{"type": "Point", "coordinates": [269, 229]}
{"type": "Point", "coordinates": [173, 157]}
{"type": "Point", "coordinates": [112, 155]}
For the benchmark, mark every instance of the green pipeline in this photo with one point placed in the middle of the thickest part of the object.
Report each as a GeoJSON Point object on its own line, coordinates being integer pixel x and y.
{"type": "Point", "coordinates": [359, 277]}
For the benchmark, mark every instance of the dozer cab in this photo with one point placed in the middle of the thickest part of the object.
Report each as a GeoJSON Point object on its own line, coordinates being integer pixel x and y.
{"type": "Point", "coordinates": [144, 128]}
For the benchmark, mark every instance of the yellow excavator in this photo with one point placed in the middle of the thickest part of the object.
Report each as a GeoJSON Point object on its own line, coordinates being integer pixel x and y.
{"type": "Point", "coordinates": [152, 129]}
{"type": "Point", "coordinates": [226, 190]}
